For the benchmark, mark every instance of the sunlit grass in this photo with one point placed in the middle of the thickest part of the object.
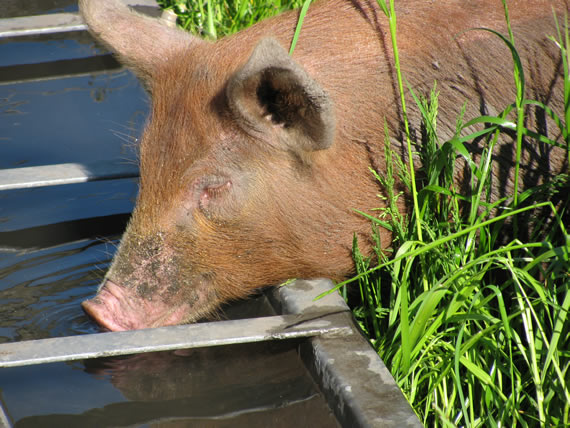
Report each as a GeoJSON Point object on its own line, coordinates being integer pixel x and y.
{"type": "Point", "coordinates": [214, 19]}
{"type": "Point", "coordinates": [474, 330]}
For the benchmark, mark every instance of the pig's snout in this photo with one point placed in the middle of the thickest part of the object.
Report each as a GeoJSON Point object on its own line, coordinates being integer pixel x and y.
{"type": "Point", "coordinates": [110, 309]}
{"type": "Point", "coordinates": [119, 308]}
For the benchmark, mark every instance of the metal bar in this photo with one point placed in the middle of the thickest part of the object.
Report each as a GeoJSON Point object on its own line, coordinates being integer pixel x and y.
{"type": "Point", "coordinates": [4, 420]}
{"type": "Point", "coordinates": [60, 22]}
{"type": "Point", "coordinates": [170, 338]}
{"type": "Point", "coordinates": [66, 173]}
{"type": "Point", "coordinates": [41, 24]}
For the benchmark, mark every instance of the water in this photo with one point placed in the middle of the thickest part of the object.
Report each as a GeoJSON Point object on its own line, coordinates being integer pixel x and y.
{"type": "Point", "coordinates": [257, 385]}
{"type": "Point", "coordinates": [46, 271]}
{"type": "Point", "coordinates": [56, 242]}
{"type": "Point", "coordinates": [81, 117]}
{"type": "Point", "coordinates": [64, 100]}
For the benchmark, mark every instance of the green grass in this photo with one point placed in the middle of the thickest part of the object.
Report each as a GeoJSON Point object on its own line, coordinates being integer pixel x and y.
{"type": "Point", "coordinates": [219, 18]}
{"type": "Point", "coordinates": [474, 330]}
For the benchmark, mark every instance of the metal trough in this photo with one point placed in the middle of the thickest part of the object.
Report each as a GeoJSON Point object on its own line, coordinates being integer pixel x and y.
{"type": "Point", "coordinates": [354, 381]}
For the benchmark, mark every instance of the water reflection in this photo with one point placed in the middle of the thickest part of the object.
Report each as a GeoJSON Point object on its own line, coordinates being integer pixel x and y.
{"type": "Point", "coordinates": [256, 385]}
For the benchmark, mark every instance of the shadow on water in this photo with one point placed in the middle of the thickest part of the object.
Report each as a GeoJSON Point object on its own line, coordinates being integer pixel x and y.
{"type": "Point", "coordinates": [59, 68]}
{"type": "Point", "coordinates": [13, 8]}
{"type": "Point", "coordinates": [256, 385]}
{"type": "Point", "coordinates": [34, 238]}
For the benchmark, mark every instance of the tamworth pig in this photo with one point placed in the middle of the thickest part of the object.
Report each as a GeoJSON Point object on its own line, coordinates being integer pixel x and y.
{"type": "Point", "coordinates": [253, 161]}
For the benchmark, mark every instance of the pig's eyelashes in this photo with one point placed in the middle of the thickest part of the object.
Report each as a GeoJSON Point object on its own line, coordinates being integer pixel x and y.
{"type": "Point", "coordinates": [211, 193]}
{"type": "Point", "coordinates": [214, 196]}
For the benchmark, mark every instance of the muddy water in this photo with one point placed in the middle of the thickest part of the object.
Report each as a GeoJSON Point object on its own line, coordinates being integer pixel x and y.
{"type": "Point", "coordinates": [64, 100]}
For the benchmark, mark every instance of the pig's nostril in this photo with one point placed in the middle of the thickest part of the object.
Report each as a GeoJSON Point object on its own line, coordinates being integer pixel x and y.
{"type": "Point", "coordinates": [93, 309]}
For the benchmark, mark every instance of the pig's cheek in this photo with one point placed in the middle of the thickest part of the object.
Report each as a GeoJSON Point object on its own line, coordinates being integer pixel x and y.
{"type": "Point", "coordinates": [187, 217]}
{"type": "Point", "coordinates": [186, 211]}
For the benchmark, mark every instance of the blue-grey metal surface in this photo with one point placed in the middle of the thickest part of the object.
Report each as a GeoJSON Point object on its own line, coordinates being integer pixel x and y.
{"type": "Point", "coordinates": [357, 385]}
{"type": "Point", "coordinates": [170, 338]}
{"type": "Point", "coordinates": [41, 24]}
{"type": "Point", "coordinates": [59, 22]}
{"type": "Point", "coordinates": [68, 173]}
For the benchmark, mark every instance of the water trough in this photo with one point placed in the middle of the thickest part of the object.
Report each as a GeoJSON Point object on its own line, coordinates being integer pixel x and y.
{"type": "Point", "coordinates": [333, 361]}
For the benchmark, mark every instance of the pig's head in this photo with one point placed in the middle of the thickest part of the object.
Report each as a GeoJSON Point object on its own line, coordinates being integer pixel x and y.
{"type": "Point", "coordinates": [234, 190]}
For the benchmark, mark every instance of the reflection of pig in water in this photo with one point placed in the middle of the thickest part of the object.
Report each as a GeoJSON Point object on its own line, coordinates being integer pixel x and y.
{"type": "Point", "coordinates": [255, 385]}
{"type": "Point", "coordinates": [253, 161]}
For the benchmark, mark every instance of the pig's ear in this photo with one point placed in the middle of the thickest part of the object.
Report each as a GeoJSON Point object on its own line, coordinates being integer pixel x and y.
{"type": "Point", "coordinates": [141, 42]}
{"type": "Point", "coordinates": [274, 97]}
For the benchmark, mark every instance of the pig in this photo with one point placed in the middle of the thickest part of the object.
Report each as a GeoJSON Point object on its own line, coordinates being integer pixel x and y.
{"type": "Point", "coordinates": [254, 162]}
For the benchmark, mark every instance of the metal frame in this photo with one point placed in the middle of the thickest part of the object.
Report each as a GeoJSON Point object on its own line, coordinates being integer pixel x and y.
{"type": "Point", "coordinates": [41, 24]}
{"type": "Point", "coordinates": [66, 173]}
{"type": "Point", "coordinates": [59, 22]}
{"type": "Point", "coordinates": [356, 384]}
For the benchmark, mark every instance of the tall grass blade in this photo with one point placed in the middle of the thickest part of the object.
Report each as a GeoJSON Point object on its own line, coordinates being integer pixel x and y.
{"type": "Point", "coordinates": [302, 14]}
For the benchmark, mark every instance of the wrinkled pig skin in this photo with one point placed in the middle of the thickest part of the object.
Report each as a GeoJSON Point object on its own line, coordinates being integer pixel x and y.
{"type": "Point", "coordinates": [253, 162]}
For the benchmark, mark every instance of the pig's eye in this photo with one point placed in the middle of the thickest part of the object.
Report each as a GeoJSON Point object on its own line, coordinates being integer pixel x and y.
{"type": "Point", "coordinates": [214, 196]}
{"type": "Point", "coordinates": [210, 193]}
